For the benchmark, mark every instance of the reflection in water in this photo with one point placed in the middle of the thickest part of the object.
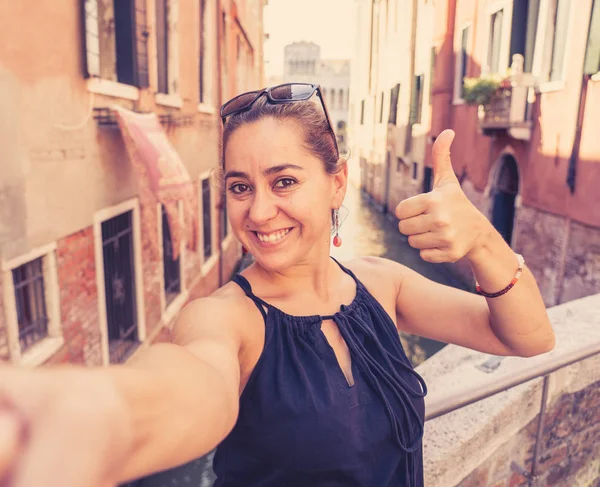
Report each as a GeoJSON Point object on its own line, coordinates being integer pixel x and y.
{"type": "Point", "coordinates": [366, 231]}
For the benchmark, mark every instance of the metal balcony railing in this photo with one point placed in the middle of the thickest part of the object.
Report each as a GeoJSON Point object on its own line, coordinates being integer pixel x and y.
{"type": "Point", "coordinates": [479, 392]}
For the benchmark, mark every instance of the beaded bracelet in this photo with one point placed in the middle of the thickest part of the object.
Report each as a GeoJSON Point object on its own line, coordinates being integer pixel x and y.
{"type": "Point", "coordinates": [521, 262]}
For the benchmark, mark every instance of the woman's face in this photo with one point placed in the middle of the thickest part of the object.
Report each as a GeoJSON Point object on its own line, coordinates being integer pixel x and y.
{"type": "Point", "coordinates": [279, 197]}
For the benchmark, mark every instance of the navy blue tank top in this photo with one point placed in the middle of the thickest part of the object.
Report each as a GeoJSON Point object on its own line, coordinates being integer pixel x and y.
{"type": "Point", "coordinates": [300, 424]}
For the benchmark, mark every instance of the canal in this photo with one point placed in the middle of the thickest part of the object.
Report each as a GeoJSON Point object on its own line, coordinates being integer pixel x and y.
{"type": "Point", "coordinates": [364, 231]}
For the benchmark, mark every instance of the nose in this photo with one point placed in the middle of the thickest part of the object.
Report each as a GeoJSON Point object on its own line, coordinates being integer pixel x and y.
{"type": "Point", "coordinates": [263, 208]}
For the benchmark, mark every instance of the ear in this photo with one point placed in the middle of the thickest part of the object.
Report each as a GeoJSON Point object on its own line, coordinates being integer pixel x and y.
{"type": "Point", "coordinates": [340, 182]}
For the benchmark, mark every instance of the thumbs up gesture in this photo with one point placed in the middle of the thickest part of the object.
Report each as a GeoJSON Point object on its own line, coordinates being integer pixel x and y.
{"type": "Point", "coordinates": [443, 223]}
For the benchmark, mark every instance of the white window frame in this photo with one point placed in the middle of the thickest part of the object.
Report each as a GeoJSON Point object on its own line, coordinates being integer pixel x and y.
{"type": "Point", "coordinates": [456, 98]}
{"type": "Point", "coordinates": [101, 216]}
{"type": "Point", "coordinates": [494, 7]}
{"type": "Point", "coordinates": [41, 351]}
{"type": "Point", "coordinates": [207, 265]}
{"type": "Point", "coordinates": [101, 86]}
{"type": "Point", "coordinates": [541, 61]}
{"type": "Point", "coordinates": [173, 97]}
{"type": "Point", "coordinates": [169, 311]}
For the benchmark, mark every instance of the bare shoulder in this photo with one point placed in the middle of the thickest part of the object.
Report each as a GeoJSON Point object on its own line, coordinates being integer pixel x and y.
{"type": "Point", "coordinates": [382, 277]}
{"type": "Point", "coordinates": [377, 270]}
{"type": "Point", "coordinates": [216, 316]}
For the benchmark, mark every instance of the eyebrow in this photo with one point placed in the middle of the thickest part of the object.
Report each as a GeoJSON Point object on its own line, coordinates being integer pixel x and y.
{"type": "Point", "coordinates": [266, 172]}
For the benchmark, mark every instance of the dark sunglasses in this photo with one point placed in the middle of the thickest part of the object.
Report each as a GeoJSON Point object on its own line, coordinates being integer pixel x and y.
{"type": "Point", "coordinates": [285, 93]}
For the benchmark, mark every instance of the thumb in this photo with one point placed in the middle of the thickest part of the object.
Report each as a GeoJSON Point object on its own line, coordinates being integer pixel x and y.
{"type": "Point", "coordinates": [442, 165]}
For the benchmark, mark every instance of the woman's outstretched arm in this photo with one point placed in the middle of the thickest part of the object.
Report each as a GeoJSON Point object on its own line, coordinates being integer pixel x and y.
{"type": "Point", "coordinates": [96, 427]}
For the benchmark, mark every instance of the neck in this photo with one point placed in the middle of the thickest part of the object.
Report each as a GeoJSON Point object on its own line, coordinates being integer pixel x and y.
{"type": "Point", "coordinates": [312, 275]}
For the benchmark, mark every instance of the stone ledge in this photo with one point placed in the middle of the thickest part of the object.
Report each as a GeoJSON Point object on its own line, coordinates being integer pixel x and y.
{"type": "Point", "coordinates": [455, 444]}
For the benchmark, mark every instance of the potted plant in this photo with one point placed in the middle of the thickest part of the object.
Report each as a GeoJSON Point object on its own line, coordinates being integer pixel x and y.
{"type": "Point", "coordinates": [480, 91]}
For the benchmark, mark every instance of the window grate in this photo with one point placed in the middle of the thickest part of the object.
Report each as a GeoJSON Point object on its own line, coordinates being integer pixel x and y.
{"type": "Point", "coordinates": [119, 286]}
{"type": "Point", "coordinates": [30, 299]}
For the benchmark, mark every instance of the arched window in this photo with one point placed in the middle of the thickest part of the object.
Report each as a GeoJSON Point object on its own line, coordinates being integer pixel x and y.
{"type": "Point", "coordinates": [332, 97]}
{"type": "Point", "coordinates": [341, 99]}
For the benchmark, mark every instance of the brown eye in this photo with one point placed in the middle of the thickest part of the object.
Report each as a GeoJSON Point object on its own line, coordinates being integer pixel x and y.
{"type": "Point", "coordinates": [239, 188]}
{"type": "Point", "coordinates": [285, 183]}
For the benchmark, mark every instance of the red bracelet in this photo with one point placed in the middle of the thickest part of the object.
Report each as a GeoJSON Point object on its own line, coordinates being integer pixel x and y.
{"type": "Point", "coordinates": [521, 262]}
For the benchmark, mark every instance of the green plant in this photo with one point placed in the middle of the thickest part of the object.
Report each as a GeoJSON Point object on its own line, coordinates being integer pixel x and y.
{"type": "Point", "coordinates": [479, 91]}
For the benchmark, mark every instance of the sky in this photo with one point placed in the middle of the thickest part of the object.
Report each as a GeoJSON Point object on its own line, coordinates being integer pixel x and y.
{"type": "Point", "coordinates": [328, 23]}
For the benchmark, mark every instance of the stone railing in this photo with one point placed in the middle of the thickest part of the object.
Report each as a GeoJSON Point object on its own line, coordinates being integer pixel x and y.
{"type": "Point", "coordinates": [492, 442]}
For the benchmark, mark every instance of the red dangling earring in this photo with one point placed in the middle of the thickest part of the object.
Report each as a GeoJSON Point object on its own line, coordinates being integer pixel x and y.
{"type": "Point", "coordinates": [337, 240]}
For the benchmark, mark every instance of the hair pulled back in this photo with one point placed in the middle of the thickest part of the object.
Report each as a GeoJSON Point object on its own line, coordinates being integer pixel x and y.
{"type": "Point", "coordinates": [307, 116]}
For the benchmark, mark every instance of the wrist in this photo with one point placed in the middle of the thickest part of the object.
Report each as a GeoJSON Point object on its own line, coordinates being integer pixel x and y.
{"type": "Point", "coordinates": [488, 243]}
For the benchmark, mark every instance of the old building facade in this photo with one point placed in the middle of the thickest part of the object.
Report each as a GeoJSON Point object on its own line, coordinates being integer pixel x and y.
{"type": "Point", "coordinates": [529, 160]}
{"type": "Point", "coordinates": [303, 63]}
{"type": "Point", "coordinates": [79, 282]}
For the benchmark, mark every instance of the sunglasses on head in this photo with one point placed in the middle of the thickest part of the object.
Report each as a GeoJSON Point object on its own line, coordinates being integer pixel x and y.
{"type": "Point", "coordinates": [285, 93]}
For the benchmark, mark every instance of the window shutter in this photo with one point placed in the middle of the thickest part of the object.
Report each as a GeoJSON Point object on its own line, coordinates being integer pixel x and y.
{"type": "Point", "coordinates": [414, 102]}
{"type": "Point", "coordinates": [141, 44]}
{"type": "Point", "coordinates": [91, 41]}
{"type": "Point", "coordinates": [592, 54]}
{"type": "Point", "coordinates": [394, 104]}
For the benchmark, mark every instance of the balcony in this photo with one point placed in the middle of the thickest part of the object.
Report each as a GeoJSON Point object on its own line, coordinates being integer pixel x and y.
{"type": "Point", "coordinates": [509, 109]}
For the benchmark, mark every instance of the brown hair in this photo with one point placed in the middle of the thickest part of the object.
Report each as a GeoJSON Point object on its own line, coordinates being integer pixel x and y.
{"type": "Point", "coordinates": [308, 117]}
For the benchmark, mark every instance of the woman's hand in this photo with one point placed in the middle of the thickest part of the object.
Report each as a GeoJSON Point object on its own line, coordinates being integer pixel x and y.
{"type": "Point", "coordinates": [443, 223]}
{"type": "Point", "coordinates": [60, 427]}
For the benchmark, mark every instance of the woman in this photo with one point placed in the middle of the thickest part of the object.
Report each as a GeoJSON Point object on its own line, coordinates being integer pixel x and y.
{"type": "Point", "coordinates": [295, 368]}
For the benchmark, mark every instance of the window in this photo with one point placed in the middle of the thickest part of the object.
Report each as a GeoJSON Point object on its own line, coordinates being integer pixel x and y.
{"type": "Point", "coordinates": [427, 179]}
{"type": "Point", "coordinates": [415, 171]}
{"type": "Point", "coordinates": [416, 100]}
{"type": "Point", "coordinates": [381, 109]}
{"type": "Point", "coordinates": [532, 19]}
{"type": "Point", "coordinates": [462, 58]}
{"type": "Point", "coordinates": [119, 286]}
{"type": "Point", "coordinates": [162, 45]}
{"type": "Point", "coordinates": [332, 98]}
{"type": "Point", "coordinates": [115, 41]}
{"type": "Point", "coordinates": [556, 39]}
{"type": "Point", "coordinates": [362, 112]}
{"type": "Point", "coordinates": [592, 53]}
{"type": "Point", "coordinates": [171, 267]}
{"type": "Point", "coordinates": [30, 298]}
{"type": "Point", "coordinates": [394, 95]}
{"type": "Point", "coordinates": [206, 219]}
{"type": "Point", "coordinates": [31, 307]}
{"type": "Point", "coordinates": [494, 44]}
{"type": "Point", "coordinates": [225, 222]}
{"type": "Point", "coordinates": [341, 99]}
{"type": "Point", "coordinates": [433, 59]}
{"type": "Point", "coordinates": [203, 37]}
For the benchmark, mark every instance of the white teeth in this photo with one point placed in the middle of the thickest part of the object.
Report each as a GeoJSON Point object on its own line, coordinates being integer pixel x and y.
{"type": "Point", "coordinates": [272, 237]}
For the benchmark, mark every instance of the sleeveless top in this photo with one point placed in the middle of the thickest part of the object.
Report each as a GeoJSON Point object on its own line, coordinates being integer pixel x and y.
{"type": "Point", "coordinates": [301, 424]}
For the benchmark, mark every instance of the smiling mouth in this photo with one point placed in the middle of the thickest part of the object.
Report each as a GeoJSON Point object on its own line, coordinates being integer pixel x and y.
{"type": "Point", "coordinates": [273, 237]}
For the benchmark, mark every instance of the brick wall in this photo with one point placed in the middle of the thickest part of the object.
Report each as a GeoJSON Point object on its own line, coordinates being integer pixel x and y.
{"type": "Point", "coordinates": [582, 263]}
{"type": "Point", "coordinates": [76, 269]}
{"type": "Point", "coordinates": [570, 447]}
